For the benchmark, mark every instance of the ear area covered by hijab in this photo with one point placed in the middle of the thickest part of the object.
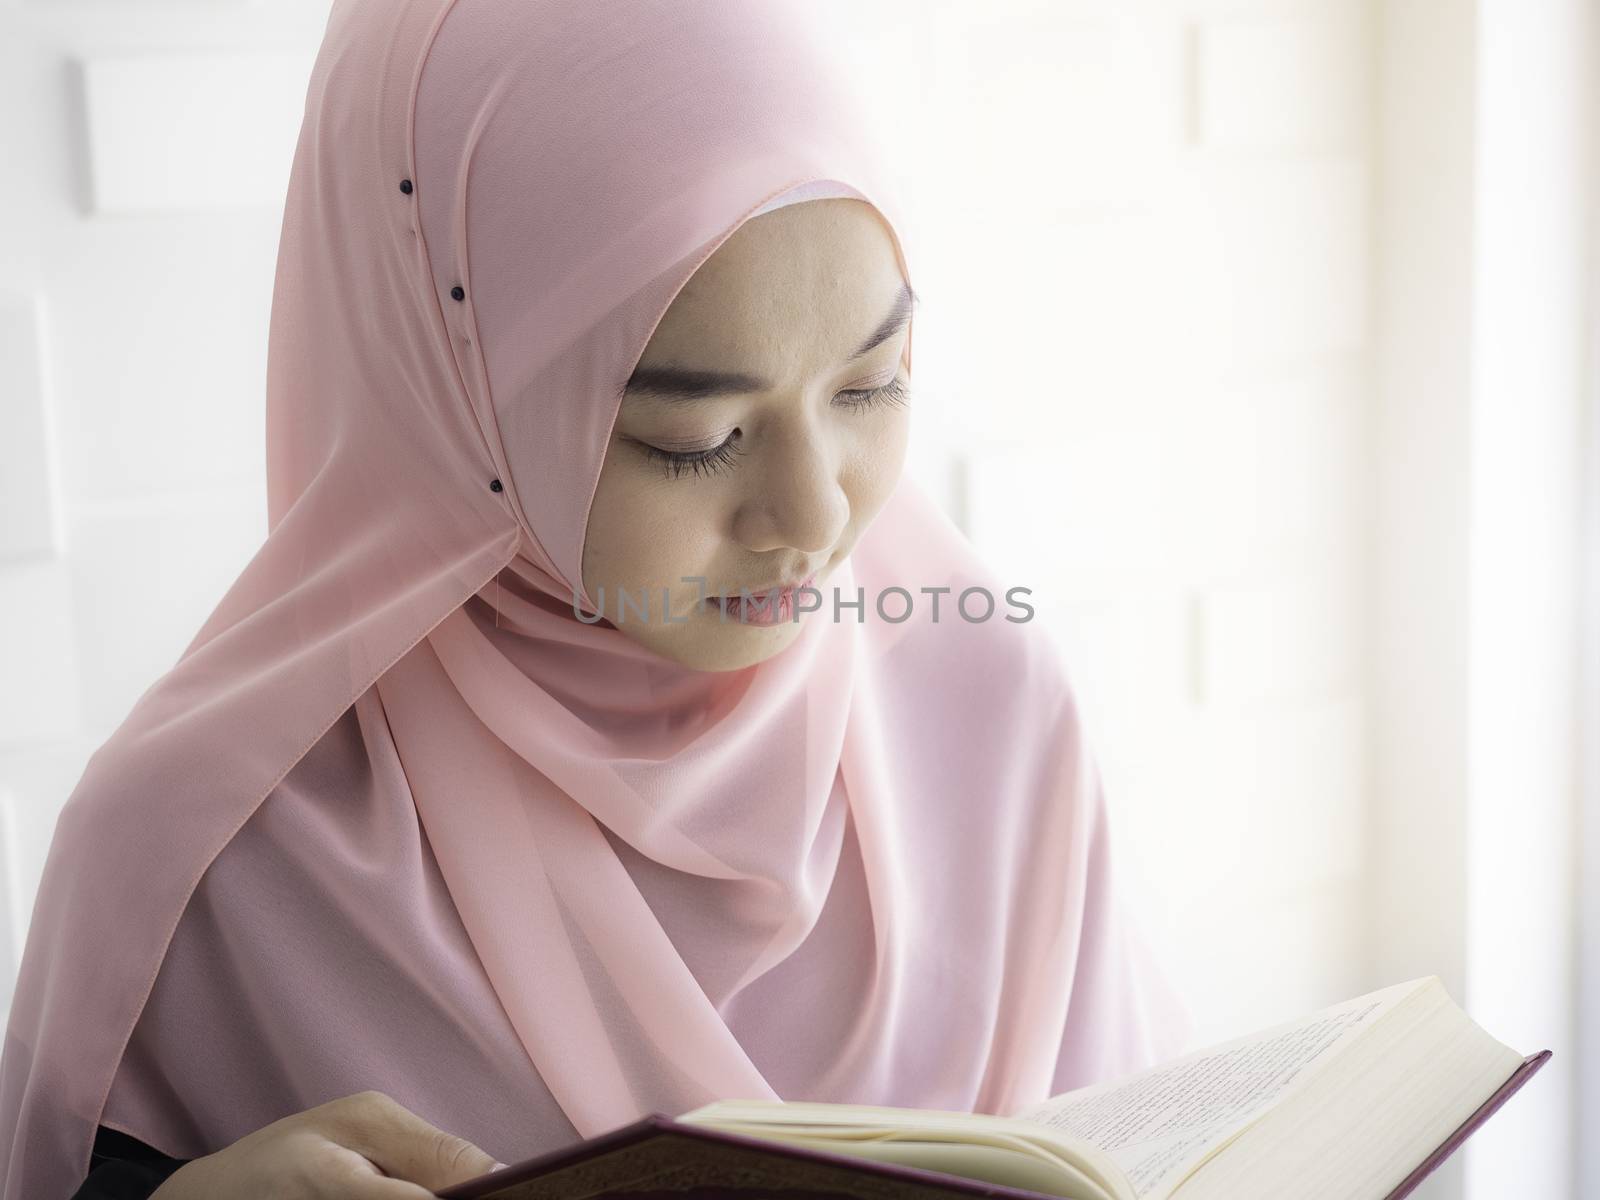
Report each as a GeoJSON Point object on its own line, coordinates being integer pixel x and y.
{"type": "Point", "coordinates": [490, 207]}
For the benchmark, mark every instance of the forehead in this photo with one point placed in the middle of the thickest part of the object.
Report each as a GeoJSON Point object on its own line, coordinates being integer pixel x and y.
{"type": "Point", "coordinates": [802, 282]}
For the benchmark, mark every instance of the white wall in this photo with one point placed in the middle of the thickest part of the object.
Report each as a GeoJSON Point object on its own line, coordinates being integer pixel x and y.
{"type": "Point", "coordinates": [1201, 284]}
{"type": "Point", "coordinates": [1426, 55]}
{"type": "Point", "coordinates": [1485, 345]}
{"type": "Point", "coordinates": [1532, 327]}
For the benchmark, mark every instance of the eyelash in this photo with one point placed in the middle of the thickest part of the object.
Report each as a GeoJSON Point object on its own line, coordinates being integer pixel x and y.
{"type": "Point", "coordinates": [893, 394]}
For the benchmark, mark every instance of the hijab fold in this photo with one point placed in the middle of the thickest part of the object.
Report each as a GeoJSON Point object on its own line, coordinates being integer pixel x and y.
{"type": "Point", "coordinates": [399, 818]}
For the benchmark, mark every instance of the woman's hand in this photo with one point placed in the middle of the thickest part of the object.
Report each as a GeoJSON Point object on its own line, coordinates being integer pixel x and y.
{"type": "Point", "coordinates": [365, 1146]}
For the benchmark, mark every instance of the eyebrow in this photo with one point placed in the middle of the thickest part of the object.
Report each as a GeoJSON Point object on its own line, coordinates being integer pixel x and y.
{"type": "Point", "coordinates": [687, 384]}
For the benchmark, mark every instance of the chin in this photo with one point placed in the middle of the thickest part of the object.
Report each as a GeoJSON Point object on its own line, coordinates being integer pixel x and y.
{"type": "Point", "coordinates": [730, 647]}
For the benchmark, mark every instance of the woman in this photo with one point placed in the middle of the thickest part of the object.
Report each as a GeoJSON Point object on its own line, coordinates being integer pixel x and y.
{"type": "Point", "coordinates": [471, 823]}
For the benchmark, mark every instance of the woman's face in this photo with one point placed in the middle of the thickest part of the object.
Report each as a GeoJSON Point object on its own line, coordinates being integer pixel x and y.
{"type": "Point", "coordinates": [761, 432]}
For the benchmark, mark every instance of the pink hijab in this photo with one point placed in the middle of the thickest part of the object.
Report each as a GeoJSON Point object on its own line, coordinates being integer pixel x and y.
{"type": "Point", "coordinates": [397, 818]}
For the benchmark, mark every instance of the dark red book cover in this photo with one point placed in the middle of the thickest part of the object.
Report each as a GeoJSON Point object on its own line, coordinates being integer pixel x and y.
{"type": "Point", "coordinates": [656, 1158]}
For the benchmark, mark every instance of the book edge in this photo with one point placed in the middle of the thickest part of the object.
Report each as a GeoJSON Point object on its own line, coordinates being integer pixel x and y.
{"type": "Point", "coordinates": [1467, 1128]}
{"type": "Point", "coordinates": [659, 1124]}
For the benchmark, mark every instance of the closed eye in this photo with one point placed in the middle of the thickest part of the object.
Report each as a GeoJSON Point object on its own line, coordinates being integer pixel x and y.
{"type": "Point", "coordinates": [893, 394]}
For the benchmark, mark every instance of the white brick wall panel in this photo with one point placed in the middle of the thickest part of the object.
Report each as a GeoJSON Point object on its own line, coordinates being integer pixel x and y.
{"type": "Point", "coordinates": [29, 504]}
{"type": "Point", "coordinates": [1281, 84]}
{"type": "Point", "coordinates": [39, 680]}
{"type": "Point", "coordinates": [153, 147]}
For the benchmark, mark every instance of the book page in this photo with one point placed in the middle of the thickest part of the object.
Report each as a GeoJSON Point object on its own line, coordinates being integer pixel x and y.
{"type": "Point", "coordinates": [1155, 1125]}
{"type": "Point", "coordinates": [1031, 1157]}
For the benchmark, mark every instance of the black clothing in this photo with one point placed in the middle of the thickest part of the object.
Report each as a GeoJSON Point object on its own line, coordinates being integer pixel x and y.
{"type": "Point", "coordinates": [124, 1168]}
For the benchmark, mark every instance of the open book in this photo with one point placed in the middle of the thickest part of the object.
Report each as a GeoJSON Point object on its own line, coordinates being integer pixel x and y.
{"type": "Point", "coordinates": [1356, 1102]}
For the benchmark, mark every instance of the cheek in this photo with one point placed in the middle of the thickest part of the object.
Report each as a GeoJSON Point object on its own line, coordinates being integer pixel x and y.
{"type": "Point", "coordinates": [878, 462]}
{"type": "Point", "coordinates": [645, 533]}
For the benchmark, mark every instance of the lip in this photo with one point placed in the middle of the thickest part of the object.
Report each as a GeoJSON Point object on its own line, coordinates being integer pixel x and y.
{"type": "Point", "coordinates": [775, 606]}
{"type": "Point", "coordinates": [768, 589]}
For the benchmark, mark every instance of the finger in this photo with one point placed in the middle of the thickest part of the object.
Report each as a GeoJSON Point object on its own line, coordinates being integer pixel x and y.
{"type": "Point", "coordinates": [348, 1175]}
{"type": "Point", "coordinates": [404, 1146]}
{"type": "Point", "coordinates": [372, 1186]}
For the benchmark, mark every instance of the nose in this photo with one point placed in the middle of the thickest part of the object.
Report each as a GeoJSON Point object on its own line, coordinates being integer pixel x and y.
{"type": "Point", "coordinates": [796, 498]}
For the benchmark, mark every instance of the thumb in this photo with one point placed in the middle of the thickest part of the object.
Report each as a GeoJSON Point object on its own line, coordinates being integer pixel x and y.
{"type": "Point", "coordinates": [450, 1159]}
{"type": "Point", "coordinates": [404, 1146]}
